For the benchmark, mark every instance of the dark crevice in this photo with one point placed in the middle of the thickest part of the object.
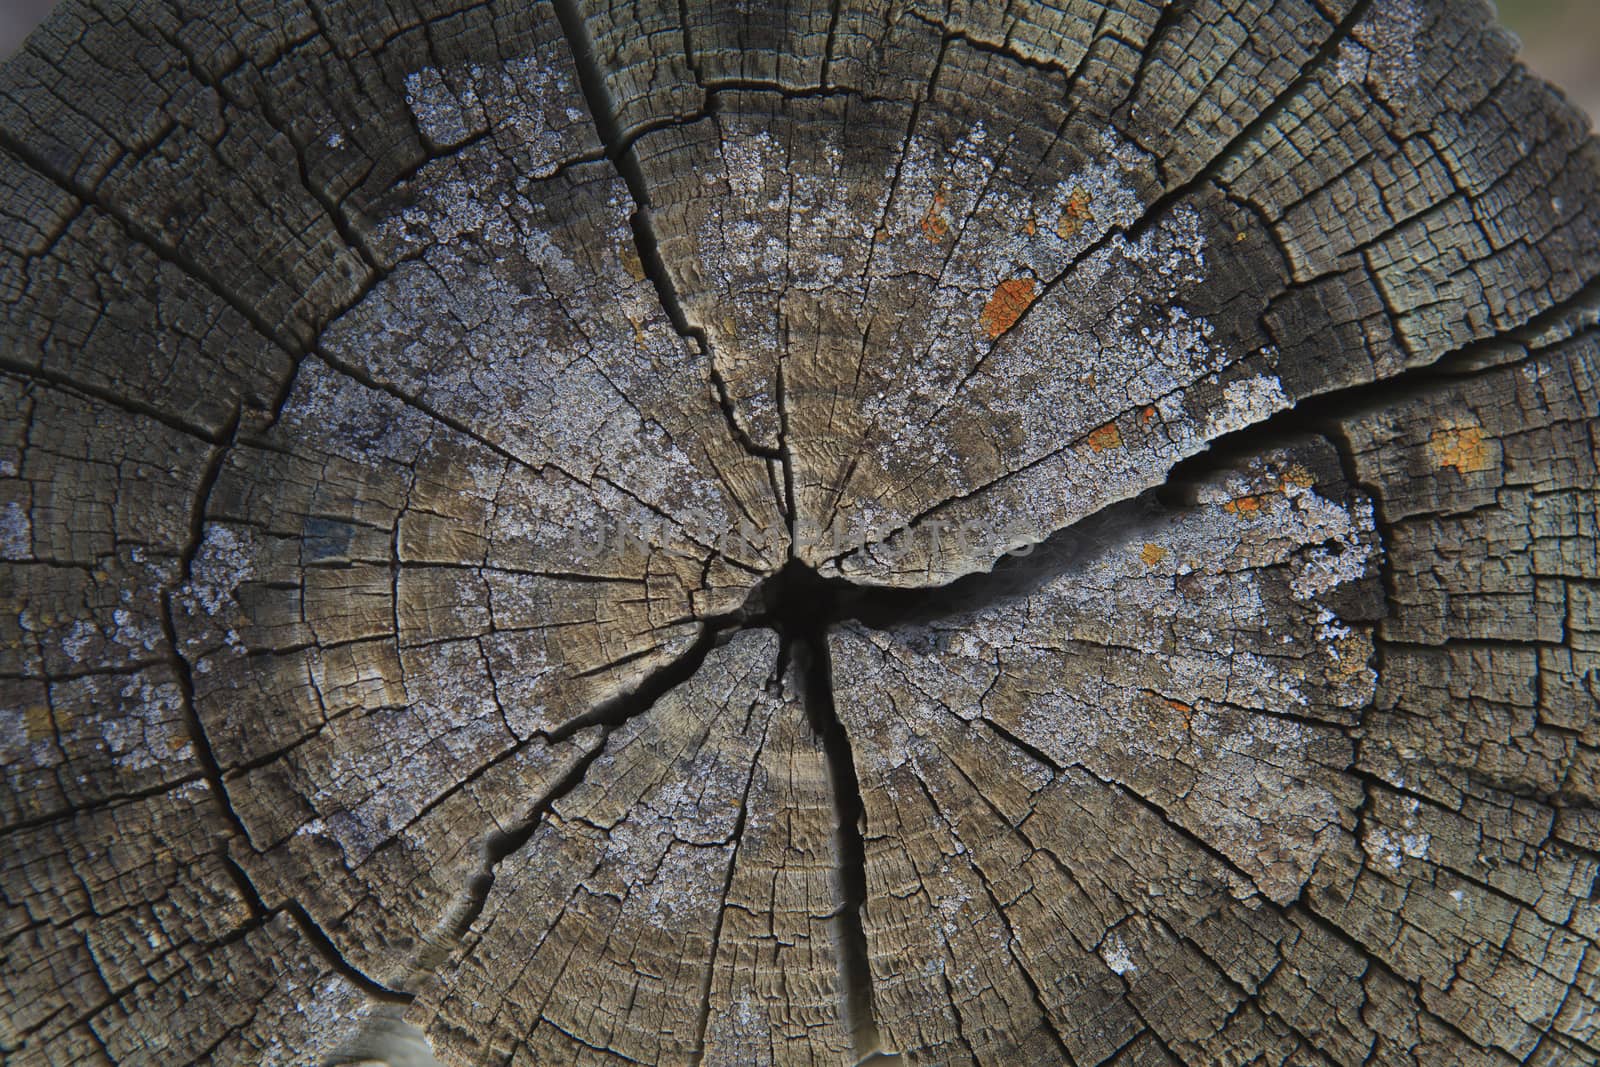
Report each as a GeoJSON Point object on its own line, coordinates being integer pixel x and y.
{"type": "Point", "coordinates": [619, 150]}
{"type": "Point", "coordinates": [130, 404]}
{"type": "Point", "coordinates": [181, 668]}
{"type": "Point", "coordinates": [1161, 208]}
{"type": "Point", "coordinates": [1002, 49]}
{"type": "Point", "coordinates": [1251, 132]}
{"type": "Point", "coordinates": [106, 803]}
{"type": "Point", "coordinates": [1325, 414]}
{"type": "Point", "coordinates": [690, 54]}
{"type": "Point", "coordinates": [955, 1009]}
{"type": "Point", "coordinates": [502, 844]}
{"type": "Point", "coordinates": [244, 886]}
{"type": "Point", "coordinates": [1321, 414]}
{"type": "Point", "coordinates": [1032, 751]}
{"type": "Point", "coordinates": [1013, 942]}
{"type": "Point", "coordinates": [607, 717]}
{"type": "Point", "coordinates": [832, 41]}
{"type": "Point", "coordinates": [788, 502]}
{"type": "Point", "coordinates": [800, 606]}
{"type": "Point", "coordinates": [226, 90]}
{"type": "Point", "coordinates": [618, 710]}
{"type": "Point", "coordinates": [1016, 573]}
{"type": "Point", "coordinates": [329, 952]}
{"type": "Point", "coordinates": [211, 769]}
{"type": "Point", "coordinates": [1164, 27]}
{"type": "Point", "coordinates": [736, 840]}
{"type": "Point", "coordinates": [147, 238]}
{"type": "Point", "coordinates": [363, 377]}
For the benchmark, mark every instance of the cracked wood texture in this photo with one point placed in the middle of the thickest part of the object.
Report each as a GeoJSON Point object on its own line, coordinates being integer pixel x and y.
{"type": "Point", "coordinates": [688, 532]}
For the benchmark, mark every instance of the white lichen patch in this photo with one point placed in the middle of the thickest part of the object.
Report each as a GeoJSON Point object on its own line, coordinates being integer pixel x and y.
{"type": "Point", "coordinates": [1391, 845]}
{"type": "Point", "coordinates": [77, 638]}
{"type": "Point", "coordinates": [951, 335]}
{"type": "Point", "coordinates": [441, 115]}
{"type": "Point", "coordinates": [1054, 368]}
{"type": "Point", "coordinates": [135, 630]}
{"type": "Point", "coordinates": [516, 316]}
{"type": "Point", "coordinates": [1091, 318]}
{"type": "Point", "coordinates": [1246, 401]}
{"type": "Point", "coordinates": [16, 532]}
{"type": "Point", "coordinates": [1381, 51]}
{"type": "Point", "coordinates": [106, 636]}
{"type": "Point", "coordinates": [530, 104]}
{"type": "Point", "coordinates": [1191, 658]}
{"type": "Point", "coordinates": [741, 1034]}
{"type": "Point", "coordinates": [1393, 849]}
{"type": "Point", "coordinates": [224, 562]}
{"type": "Point", "coordinates": [152, 731]}
{"type": "Point", "coordinates": [1054, 388]}
{"type": "Point", "coordinates": [1343, 558]}
{"type": "Point", "coordinates": [1004, 313]}
{"type": "Point", "coordinates": [1117, 956]}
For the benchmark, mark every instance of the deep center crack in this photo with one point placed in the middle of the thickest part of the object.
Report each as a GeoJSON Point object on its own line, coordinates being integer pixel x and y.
{"type": "Point", "coordinates": [801, 606]}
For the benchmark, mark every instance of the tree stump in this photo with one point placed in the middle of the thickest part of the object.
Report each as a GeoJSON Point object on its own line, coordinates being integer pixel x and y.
{"type": "Point", "coordinates": [809, 533]}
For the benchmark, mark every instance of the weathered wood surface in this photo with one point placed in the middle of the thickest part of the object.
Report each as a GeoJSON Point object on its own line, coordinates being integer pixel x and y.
{"type": "Point", "coordinates": [481, 487]}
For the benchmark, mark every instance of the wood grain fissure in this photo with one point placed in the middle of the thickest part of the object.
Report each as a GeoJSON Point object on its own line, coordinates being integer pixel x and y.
{"type": "Point", "coordinates": [822, 533]}
{"type": "Point", "coordinates": [619, 150]}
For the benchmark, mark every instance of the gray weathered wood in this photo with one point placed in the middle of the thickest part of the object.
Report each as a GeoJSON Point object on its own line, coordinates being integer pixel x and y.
{"type": "Point", "coordinates": [809, 533]}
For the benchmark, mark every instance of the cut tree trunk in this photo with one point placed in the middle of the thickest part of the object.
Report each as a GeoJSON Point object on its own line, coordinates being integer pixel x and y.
{"type": "Point", "coordinates": [686, 532]}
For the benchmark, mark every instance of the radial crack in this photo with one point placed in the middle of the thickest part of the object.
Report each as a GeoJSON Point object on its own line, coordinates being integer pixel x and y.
{"type": "Point", "coordinates": [1318, 413]}
{"type": "Point", "coordinates": [1318, 60]}
{"type": "Point", "coordinates": [500, 845]}
{"type": "Point", "coordinates": [619, 150]}
{"type": "Point", "coordinates": [806, 649]}
{"type": "Point", "coordinates": [206, 756]}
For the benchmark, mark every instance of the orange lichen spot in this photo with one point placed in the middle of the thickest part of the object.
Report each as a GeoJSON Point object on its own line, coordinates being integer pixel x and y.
{"type": "Point", "coordinates": [631, 262]}
{"type": "Point", "coordinates": [1299, 477]}
{"type": "Point", "coordinates": [881, 234]}
{"type": "Point", "coordinates": [1152, 554]}
{"type": "Point", "coordinates": [1074, 213]}
{"type": "Point", "coordinates": [1006, 305]}
{"type": "Point", "coordinates": [1161, 700]}
{"type": "Point", "coordinates": [1461, 447]}
{"type": "Point", "coordinates": [1107, 436]}
{"type": "Point", "coordinates": [1240, 236]}
{"type": "Point", "coordinates": [1243, 505]}
{"type": "Point", "coordinates": [1354, 658]}
{"type": "Point", "coordinates": [1146, 415]}
{"type": "Point", "coordinates": [935, 222]}
{"type": "Point", "coordinates": [1030, 227]}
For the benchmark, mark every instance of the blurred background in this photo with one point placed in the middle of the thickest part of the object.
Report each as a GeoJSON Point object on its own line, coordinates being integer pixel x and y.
{"type": "Point", "coordinates": [17, 17]}
{"type": "Point", "coordinates": [1561, 39]}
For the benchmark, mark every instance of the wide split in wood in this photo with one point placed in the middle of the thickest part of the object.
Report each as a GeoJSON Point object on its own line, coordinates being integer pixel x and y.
{"type": "Point", "coordinates": [818, 533]}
